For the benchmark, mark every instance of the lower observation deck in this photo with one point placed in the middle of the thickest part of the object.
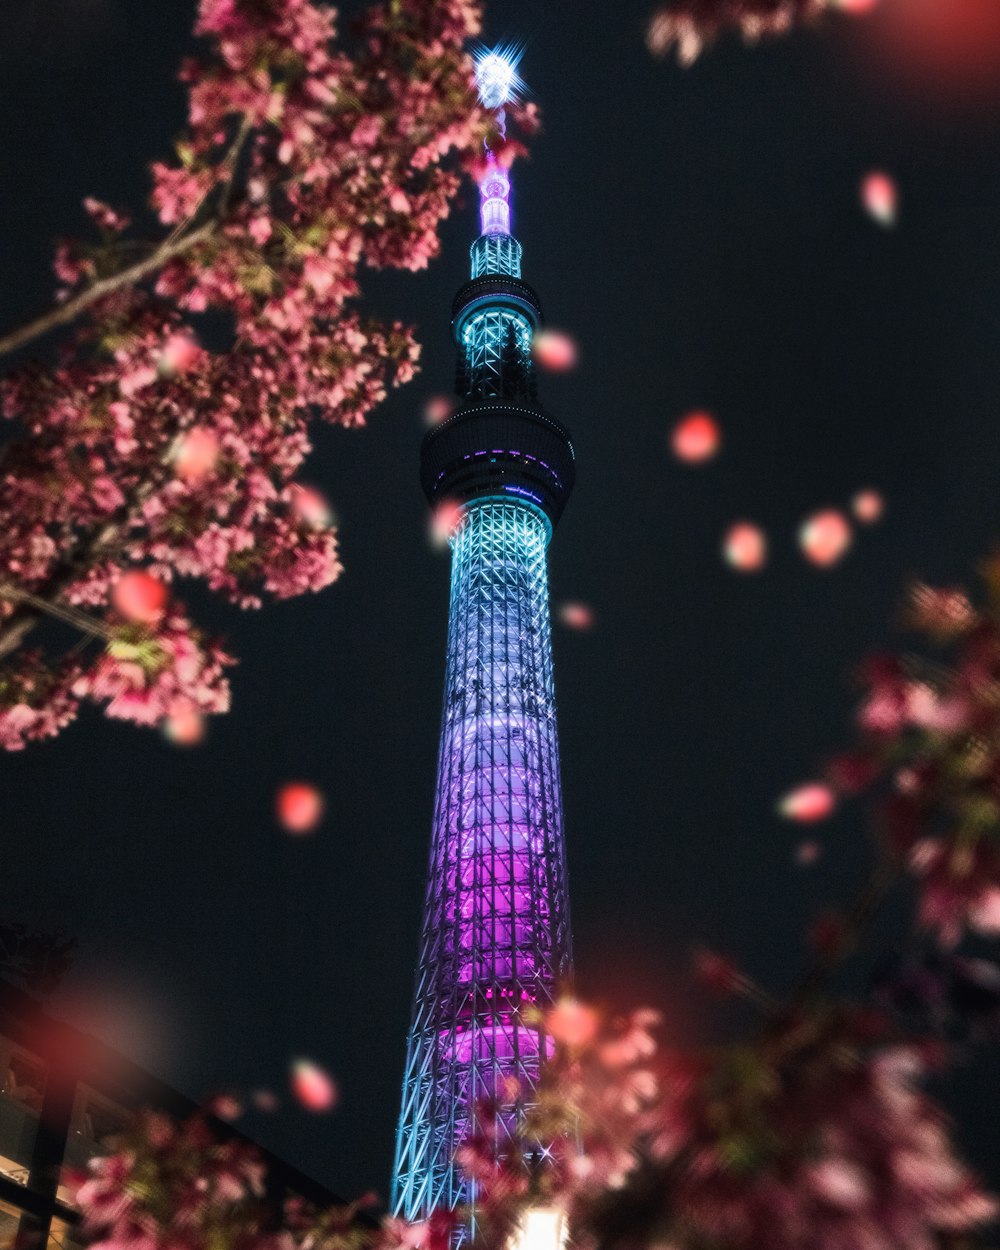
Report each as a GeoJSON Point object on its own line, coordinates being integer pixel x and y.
{"type": "Point", "coordinates": [495, 448]}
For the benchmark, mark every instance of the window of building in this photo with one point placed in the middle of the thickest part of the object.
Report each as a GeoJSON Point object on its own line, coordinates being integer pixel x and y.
{"type": "Point", "coordinates": [22, 1087]}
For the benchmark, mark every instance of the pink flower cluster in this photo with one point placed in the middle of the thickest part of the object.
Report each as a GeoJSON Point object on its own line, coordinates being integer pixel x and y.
{"type": "Point", "coordinates": [832, 1149]}
{"type": "Point", "coordinates": [147, 678]}
{"type": "Point", "coordinates": [930, 755]}
{"type": "Point", "coordinates": [143, 449]}
{"type": "Point", "coordinates": [814, 1136]}
{"type": "Point", "coordinates": [688, 26]}
{"type": "Point", "coordinates": [211, 1190]}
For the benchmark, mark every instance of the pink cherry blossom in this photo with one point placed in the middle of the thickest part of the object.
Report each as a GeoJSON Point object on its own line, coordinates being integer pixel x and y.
{"type": "Point", "coordinates": [686, 27]}
{"type": "Point", "coordinates": [142, 450]}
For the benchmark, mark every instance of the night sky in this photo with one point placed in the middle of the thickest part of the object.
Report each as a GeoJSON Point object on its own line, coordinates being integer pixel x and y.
{"type": "Point", "coordinates": [698, 232]}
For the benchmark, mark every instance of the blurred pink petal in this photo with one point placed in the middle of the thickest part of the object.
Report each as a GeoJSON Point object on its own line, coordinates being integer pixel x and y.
{"type": "Point", "coordinates": [195, 454]}
{"type": "Point", "coordinates": [868, 506]}
{"type": "Point", "coordinates": [438, 408]}
{"type": "Point", "coordinates": [311, 507]}
{"type": "Point", "coordinates": [314, 1088]}
{"type": "Point", "coordinates": [185, 729]}
{"type": "Point", "coordinates": [808, 803]}
{"type": "Point", "coordinates": [265, 1100]}
{"type": "Point", "coordinates": [180, 353]}
{"type": "Point", "coordinates": [696, 438]}
{"type": "Point", "coordinates": [299, 807]}
{"type": "Point", "coordinates": [554, 350]}
{"type": "Point", "coordinates": [984, 914]}
{"type": "Point", "coordinates": [572, 1023]}
{"type": "Point", "coordinates": [578, 616]}
{"type": "Point", "coordinates": [825, 537]}
{"type": "Point", "coordinates": [880, 198]}
{"type": "Point", "coordinates": [745, 547]}
{"type": "Point", "coordinates": [139, 597]}
{"type": "Point", "coordinates": [444, 521]}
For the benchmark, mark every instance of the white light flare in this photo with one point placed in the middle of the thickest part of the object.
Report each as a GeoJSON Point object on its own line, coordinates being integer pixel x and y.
{"type": "Point", "coordinates": [540, 1228]}
{"type": "Point", "coordinates": [496, 77]}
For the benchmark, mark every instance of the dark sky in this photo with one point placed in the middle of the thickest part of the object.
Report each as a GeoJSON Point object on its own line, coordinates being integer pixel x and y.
{"type": "Point", "coordinates": [698, 232]}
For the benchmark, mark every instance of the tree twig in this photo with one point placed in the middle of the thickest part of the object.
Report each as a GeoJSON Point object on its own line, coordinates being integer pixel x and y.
{"type": "Point", "coordinates": [69, 311]}
{"type": "Point", "coordinates": [61, 612]}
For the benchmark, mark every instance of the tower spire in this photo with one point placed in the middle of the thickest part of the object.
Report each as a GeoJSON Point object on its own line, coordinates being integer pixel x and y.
{"type": "Point", "coordinates": [495, 946]}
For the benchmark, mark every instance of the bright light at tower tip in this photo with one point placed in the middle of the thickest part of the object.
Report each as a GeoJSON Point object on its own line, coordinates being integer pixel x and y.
{"type": "Point", "coordinates": [496, 78]}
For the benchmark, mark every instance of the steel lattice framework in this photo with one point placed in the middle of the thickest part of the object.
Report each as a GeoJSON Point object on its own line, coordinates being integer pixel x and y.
{"type": "Point", "coordinates": [496, 923]}
{"type": "Point", "coordinates": [495, 944]}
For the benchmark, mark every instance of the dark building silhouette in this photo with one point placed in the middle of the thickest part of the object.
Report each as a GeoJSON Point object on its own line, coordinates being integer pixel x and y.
{"type": "Point", "coordinates": [64, 1096]}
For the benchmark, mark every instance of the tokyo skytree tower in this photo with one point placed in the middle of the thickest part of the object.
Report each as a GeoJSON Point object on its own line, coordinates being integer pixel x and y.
{"type": "Point", "coordinates": [495, 943]}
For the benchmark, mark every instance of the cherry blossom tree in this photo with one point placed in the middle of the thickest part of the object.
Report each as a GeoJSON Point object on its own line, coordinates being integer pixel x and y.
{"type": "Point", "coordinates": [141, 457]}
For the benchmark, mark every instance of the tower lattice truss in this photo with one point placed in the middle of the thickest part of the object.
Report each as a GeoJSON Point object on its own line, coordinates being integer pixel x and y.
{"type": "Point", "coordinates": [495, 946]}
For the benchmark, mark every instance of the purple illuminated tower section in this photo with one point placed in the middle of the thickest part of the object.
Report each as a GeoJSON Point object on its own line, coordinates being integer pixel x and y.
{"type": "Point", "coordinates": [495, 942]}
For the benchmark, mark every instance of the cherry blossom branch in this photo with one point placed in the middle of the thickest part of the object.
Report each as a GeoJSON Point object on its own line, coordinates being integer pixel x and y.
{"type": "Point", "coordinates": [73, 307]}
{"type": "Point", "coordinates": [850, 928]}
{"type": "Point", "coordinates": [62, 612]}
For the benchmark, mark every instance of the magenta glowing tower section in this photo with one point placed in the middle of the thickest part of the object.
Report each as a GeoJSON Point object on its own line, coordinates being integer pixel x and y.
{"type": "Point", "coordinates": [495, 941]}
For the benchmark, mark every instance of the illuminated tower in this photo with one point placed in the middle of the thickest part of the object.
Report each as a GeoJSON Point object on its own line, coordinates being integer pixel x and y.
{"type": "Point", "coordinates": [496, 936]}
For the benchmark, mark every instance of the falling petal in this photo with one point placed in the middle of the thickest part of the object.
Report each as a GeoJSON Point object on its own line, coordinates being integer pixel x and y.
{"type": "Point", "coordinates": [808, 803]}
{"type": "Point", "coordinates": [825, 537]}
{"type": "Point", "coordinates": [696, 438]}
{"type": "Point", "coordinates": [868, 506]}
{"type": "Point", "coordinates": [139, 597]}
{"type": "Point", "coordinates": [195, 454]}
{"type": "Point", "coordinates": [880, 198]}
{"type": "Point", "coordinates": [984, 913]}
{"type": "Point", "coordinates": [578, 616]}
{"type": "Point", "coordinates": [180, 353]}
{"type": "Point", "coordinates": [438, 408]}
{"type": "Point", "coordinates": [299, 807]}
{"type": "Point", "coordinates": [185, 729]}
{"type": "Point", "coordinates": [572, 1023]}
{"type": "Point", "coordinates": [745, 547]}
{"type": "Point", "coordinates": [265, 1100]}
{"type": "Point", "coordinates": [808, 852]}
{"type": "Point", "coordinates": [553, 350]}
{"type": "Point", "coordinates": [313, 1087]}
{"type": "Point", "coordinates": [225, 1106]}
{"type": "Point", "coordinates": [444, 521]}
{"type": "Point", "coordinates": [311, 507]}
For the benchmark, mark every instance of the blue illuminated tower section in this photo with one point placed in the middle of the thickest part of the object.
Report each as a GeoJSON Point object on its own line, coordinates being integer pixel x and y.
{"type": "Point", "coordinates": [495, 942]}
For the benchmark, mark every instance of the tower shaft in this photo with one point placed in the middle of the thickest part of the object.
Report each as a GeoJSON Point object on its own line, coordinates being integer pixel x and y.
{"type": "Point", "coordinates": [495, 937]}
{"type": "Point", "coordinates": [495, 945]}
